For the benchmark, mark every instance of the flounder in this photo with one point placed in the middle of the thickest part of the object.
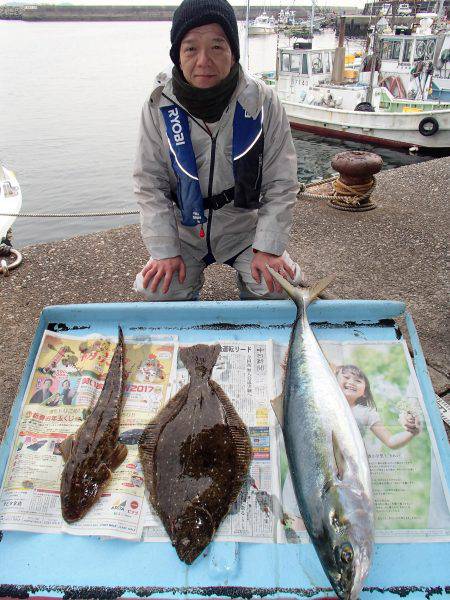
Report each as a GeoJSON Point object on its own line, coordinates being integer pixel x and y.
{"type": "Point", "coordinates": [195, 455]}
{"type": "Point", "coordinates": [94, 451]}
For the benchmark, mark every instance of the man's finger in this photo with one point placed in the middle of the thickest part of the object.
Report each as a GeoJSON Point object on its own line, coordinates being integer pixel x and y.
{"type": "Point", "coordinates": [156, 279]}
{"type": "Point", "coordinates": [167, 280]}
{"type": "Point", "coordinates": [268, 279]}
{"type": "Point", "coordinates": [284, 275]}
{"type": "Point", "coordinates": [289, 270]}
{"type": "Point", "coordinates": [276, 285]}
{"type": "Point", "coordinates": [148, 276]}
{"type": "Point", "coordinates": [256, 274]}
{"type": "Point", "coordinates": [182, 272]}
{"type": "Point", "coordinates": [150, 265]}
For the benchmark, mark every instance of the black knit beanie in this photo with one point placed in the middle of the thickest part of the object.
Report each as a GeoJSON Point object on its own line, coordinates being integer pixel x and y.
{"type": "Point", "coordinates": [194, 13]}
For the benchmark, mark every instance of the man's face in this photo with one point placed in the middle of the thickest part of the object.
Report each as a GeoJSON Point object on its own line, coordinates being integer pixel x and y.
{"type": "Point", "coordinates": [205, 56]}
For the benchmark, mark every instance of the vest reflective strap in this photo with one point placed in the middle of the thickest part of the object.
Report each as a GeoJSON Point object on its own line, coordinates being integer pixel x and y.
{"type": "Point", "coordinates": [246, 165]}
{"type": "Point", "coordinates": [246, 131]}
{"type": "Point", "coordinates": [184, 165]}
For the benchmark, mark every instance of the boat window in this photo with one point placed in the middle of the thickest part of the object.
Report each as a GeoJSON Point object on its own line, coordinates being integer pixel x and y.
{"type": "Point", "coordinates": [407, 51]}
{"type": "Point", "coordinates": [285, 62]}
{"type": "Point", "coordinates": [385, 49]}
{"type": "Point", "coordinates": [304, 64]}
{"type": "Point", "coordinates": [419, 53]}
{"type": "Point", "coordinates": [295, 63]}
{"type": "Point", "coordinates": [390, 50]}
{"type": "Point", "coordinates": [299, 64]}
{"type": "Point", "coordinates": [326, 62]}
{"type": "Point", "coordinates": [395, 54]}
{"type": "Point", "coordinates": [316, 63]}
{"type": "Point", "coordinates": [429, 51]}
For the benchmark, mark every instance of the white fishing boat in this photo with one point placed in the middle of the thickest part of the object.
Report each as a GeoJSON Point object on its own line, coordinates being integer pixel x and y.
{"type": "Point", "coordinates": [10, 199]}
{"type": "Point", "coordinates": [425, 56]}
{"type": "Point", "coordinates": [262, 25]}
{"type": "Point", "coordinates": [342, 103]}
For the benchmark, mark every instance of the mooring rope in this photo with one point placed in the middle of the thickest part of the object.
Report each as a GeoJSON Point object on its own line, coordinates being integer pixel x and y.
{"type": "Point", "coordinates": [72, 215]}
{"type": "Point", "coordinates": [343, 195]}
{"type": "Point", "coordinates": [351, 198]}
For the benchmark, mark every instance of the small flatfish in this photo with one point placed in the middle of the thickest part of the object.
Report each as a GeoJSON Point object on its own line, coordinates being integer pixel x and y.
{"type": "Point", "coordinates": [195, 455]}
{"type": "Point", "coordinates": [94, 451]}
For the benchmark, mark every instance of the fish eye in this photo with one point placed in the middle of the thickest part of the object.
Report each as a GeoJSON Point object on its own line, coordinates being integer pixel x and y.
{"type": "Point", "coordinates": [346, 553]}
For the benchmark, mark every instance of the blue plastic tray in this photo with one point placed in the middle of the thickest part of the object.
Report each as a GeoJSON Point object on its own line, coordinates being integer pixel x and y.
{"type": "Point", "coordinates": [88, 567]}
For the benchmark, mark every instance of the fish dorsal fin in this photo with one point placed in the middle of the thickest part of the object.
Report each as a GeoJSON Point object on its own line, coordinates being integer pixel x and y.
{"type": "Point", "coordinates": [338, 457]}
{"type": "Point", "coordinates": [277, 405]}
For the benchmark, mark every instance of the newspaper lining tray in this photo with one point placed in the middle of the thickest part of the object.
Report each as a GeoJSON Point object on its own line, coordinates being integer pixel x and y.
{"type": "Point", "coordinates": [61, 565]}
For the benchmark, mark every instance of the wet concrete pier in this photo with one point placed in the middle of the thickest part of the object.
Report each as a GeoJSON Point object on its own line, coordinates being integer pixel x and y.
{"type": "Point", "coordinates": [395, 252]}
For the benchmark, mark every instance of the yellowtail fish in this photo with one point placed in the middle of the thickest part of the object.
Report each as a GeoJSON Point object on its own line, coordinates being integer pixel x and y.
{"type": "Point", "coordinates": [326, 455]}
{"type": "Point", "coordinates": [94, 451]}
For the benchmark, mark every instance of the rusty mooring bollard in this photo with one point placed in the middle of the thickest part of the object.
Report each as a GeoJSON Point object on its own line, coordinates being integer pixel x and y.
{"type": "Point", "coordinates": [356, 182]}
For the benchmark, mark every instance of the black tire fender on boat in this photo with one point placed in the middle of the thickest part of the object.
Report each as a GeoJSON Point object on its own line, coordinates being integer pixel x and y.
{"type": "Point", "coordinates": [428, 126]}
{"type": "Point", "coordinates": [364, 107]}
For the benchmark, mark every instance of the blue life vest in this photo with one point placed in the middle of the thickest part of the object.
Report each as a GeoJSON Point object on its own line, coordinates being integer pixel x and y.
{"type": "Point", "coordinates": [248, 147]}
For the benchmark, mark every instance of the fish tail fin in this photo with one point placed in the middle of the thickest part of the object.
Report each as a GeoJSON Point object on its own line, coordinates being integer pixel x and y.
{"type": "Point", "coordinates": [200, 358]}
{"type": "Point", "coordinates": [302, 296]}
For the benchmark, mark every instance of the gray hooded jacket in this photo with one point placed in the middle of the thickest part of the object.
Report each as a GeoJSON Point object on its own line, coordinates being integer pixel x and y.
{"type": "Point", "coordinates": [228, 230]}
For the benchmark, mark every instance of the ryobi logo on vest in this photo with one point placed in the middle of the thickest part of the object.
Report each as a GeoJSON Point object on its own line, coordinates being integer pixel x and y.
{"type": "Point", "coordinates": [177, 130]}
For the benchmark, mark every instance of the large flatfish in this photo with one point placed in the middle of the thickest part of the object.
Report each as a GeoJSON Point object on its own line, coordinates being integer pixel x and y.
{"type": "Point", "coordinates": [195, 455]}
{"type": "Point", "coordinates": [94, 451]}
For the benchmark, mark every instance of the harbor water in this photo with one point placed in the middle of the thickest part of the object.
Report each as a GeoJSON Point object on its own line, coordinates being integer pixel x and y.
{"type": "Point", "coordinates": [70, 100]}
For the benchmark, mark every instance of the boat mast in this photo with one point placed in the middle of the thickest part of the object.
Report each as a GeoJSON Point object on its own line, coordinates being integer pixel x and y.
{"type": "Point", "coordinates": [337, 74]}
{"type": "Point", "coordinates": [441, 9]}
{"type": "Point", "coordinates": [313, 8]}
{"type": "Point", "coordinates": [372, 65]}
{"type": "Point", "coordinates": [246, 40]}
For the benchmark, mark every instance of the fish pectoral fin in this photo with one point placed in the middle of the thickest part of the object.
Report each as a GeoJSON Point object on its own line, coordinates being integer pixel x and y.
{"type": "Point", "coordinates": [118, 456]}
{"type": "Point", "coordinates": [277, 405]}
{"type": "Point", "coordinates": [339, 458]}
{"type": "Point", "coordinates": [102, 474]}
{"type": "Point", "coordinates": [66, 446]}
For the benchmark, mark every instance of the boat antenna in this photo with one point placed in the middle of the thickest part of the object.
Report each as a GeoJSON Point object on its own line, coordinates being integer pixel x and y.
{"type": "Point", "coordinates": [246, 40]}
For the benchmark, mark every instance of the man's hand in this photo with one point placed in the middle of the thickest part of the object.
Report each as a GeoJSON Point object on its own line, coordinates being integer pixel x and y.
{"type": "Point", "coordinates": [277, 263]}
{"type": "Point", "coordinates": [163, 269]}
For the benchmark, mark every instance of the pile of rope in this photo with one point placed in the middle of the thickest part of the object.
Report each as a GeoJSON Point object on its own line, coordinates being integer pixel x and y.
{"type": "Point", "coordinates": [344, 197]}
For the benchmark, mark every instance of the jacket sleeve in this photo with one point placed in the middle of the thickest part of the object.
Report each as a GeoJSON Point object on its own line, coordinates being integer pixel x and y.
{"type": "Point", "coordinates": [279, 181]}
{"type": "Point", "coordinates": [152, 186]}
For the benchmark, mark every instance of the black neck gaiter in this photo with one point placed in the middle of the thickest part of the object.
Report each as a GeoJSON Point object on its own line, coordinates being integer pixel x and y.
{"type": "Point", "coordinates": [206, 104]}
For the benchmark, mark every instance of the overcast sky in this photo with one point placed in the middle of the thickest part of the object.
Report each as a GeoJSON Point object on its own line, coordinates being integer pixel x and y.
{"type": "Point", "coordinates": [273, 5]}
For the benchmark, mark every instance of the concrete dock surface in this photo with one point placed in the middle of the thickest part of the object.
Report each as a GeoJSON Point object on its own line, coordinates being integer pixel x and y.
{"type": "Point", "coordinates": [395, 252]}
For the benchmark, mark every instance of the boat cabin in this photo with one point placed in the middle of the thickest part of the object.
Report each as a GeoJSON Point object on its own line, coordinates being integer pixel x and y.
{"type": "Point", "coordinates": [419, 61]}
{"type": "Point", "coordinates": [305, 76]}
{"type": "Point", "coordinates": [408, 49]}
{"type": "Point", "coordinates": [306, 64]}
